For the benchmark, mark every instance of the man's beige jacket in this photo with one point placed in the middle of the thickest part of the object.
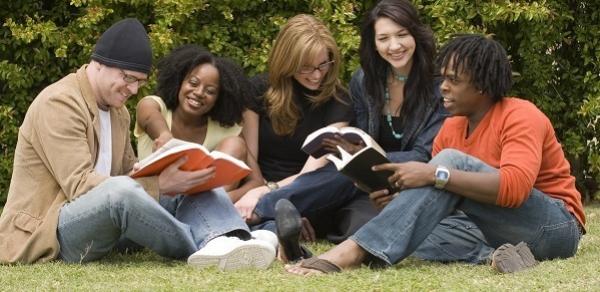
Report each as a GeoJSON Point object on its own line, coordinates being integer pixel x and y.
{"type": "Point", "coordinates": [55, 156]}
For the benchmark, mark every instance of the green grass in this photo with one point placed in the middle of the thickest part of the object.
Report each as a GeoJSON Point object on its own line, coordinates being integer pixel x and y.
{"type": "Point", "coordinates": [146, 271]}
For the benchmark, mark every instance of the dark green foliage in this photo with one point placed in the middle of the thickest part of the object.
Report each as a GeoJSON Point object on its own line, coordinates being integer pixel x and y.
{"type": "Point", "coordinates": [554, 46]}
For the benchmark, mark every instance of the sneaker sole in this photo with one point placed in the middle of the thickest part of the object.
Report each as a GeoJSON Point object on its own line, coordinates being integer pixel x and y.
{"type": "Point", "coordinates": [247, 256]}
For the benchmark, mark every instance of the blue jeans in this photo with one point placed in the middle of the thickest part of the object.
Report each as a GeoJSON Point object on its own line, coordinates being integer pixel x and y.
{"type": "Point", "coordinates": [317, 195]}
{"type": "Point", "coordinates": [544, 223]}
{"type": "Point", "coordinates": [337, 209]}
{"type": "Point", "coordinates": [119, 211]}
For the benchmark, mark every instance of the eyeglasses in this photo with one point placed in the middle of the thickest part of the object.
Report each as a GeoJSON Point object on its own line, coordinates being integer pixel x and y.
{"type": "Point", "coordinates": [310, 69]}
{"type": "Point", "coordinates": [130, 79]}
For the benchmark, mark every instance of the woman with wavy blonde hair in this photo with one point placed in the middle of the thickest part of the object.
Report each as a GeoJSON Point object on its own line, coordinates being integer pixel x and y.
{"type": "Point", "coordinates": [303, 39]}
{"type": "Point", "coordinates": [301, 94]}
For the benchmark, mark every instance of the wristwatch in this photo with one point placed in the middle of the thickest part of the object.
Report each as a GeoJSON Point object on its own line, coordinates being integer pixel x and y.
{"type": "Point", "coordinates": [272, 185]}
{"type": "Point", "coordinates": [442, 175]}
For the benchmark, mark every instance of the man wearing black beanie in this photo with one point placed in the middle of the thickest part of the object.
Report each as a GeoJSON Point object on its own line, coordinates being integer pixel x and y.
{"type": "Point", "coordinates": [70, 196]}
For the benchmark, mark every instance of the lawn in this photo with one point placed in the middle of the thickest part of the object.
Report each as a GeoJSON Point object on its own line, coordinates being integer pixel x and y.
{"type": "Point", "coordinates": [146, 271]}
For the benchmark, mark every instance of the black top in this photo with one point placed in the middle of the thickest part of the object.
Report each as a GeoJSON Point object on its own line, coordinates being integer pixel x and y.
{"type": "Point", "coordinates": [387, 141]}
{"type": "Point", "coordinates": [280, 156]}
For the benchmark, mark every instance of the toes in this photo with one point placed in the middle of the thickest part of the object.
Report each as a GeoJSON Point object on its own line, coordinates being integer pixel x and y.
{"type": "Point", "coordinates": [298, 270]}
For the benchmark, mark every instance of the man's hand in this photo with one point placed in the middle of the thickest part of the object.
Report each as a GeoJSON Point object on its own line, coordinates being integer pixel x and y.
{"type": "Point", "coordinates": [136, 167]}
{"type": "Point", "coordinates": [409, 174]}
{"type": "Point", "coordinates": [175, 181]}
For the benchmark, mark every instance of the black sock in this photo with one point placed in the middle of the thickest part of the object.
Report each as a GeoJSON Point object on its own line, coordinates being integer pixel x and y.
{"type": "Point", "coordinates": [241, 234]}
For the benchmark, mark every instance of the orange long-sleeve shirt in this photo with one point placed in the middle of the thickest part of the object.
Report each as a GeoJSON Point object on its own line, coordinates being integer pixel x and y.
{"type": "Point", "coordinates": [515, 137]}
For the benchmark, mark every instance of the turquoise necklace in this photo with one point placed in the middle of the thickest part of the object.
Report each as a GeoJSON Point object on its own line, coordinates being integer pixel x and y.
{"type": "Point", "coordinates": [388, 116]}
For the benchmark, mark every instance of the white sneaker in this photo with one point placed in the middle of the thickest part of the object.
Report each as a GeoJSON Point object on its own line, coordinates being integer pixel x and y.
{"type": "Point", "coordinates": [232, 253]}
{"type": "Point", "coordinates": [266, 236]}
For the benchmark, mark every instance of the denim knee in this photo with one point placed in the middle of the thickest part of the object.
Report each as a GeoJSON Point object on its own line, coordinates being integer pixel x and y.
{"type": "Point", "coordinates": [447, 157]}
{"type": "Point", "coordinates": [125, 190]}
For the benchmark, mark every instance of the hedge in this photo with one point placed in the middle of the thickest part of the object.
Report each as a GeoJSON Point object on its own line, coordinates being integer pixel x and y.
{"type": "Point", "coordinates": [554, 46]}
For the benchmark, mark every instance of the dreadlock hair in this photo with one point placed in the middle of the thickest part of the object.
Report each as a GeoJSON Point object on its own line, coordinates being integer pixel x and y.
{"type": "Point", "coordinates": [483, 59]}
{"type": "Point", "coordinates": [419, 88]}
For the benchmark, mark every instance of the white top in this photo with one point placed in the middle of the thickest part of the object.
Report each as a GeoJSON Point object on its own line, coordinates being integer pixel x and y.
{"type": "Point", "coordinates": [103, 164]}
{"type": "Point", "coordinates": [215, 133]}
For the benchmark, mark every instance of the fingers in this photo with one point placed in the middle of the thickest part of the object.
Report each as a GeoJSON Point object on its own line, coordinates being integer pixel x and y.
{"type": "Point", "coordinates": [301, 271]}
{"type": "Point", "coordinates": [308, 232]}
{"type": "Point", "coordinates": [380, 198]}
{"type": "Point", "coordinates": [161, 140]}
{"type": "Point", "coordinates": [378, 194]}
{"type": "Point", "coordinates": [242, 207]}
{"type": "Point", "coordinates": [136, 167]}
{"type": "Point", "coordinates": [386, 166]}
{"type": "Point", "coordinates": [383, 201]}
{"type": "Point", "coordinates": [177, 164]}
{"type": "Point", "coordinates": [197, 177]}
{"type": "Point", "coordinates": [396, 181]}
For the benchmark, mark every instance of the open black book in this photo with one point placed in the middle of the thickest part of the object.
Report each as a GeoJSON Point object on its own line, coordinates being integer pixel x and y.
{"type": "Point", "coordinates": [358, 168]}
{"type": "Point", "coordinates": [313, 144]}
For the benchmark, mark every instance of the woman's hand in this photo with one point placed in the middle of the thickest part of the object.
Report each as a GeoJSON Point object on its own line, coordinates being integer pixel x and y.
{"type": "Point", "coordinates": [308, 232]}
{"type": "Point", "coordinates": [381, 198]}
{"type": "Point", "coordinates": [331, 144]}
{"type": "Point", "coordinates": [245, 205]}
{"type": "Point", "coordinates": [162, 139]}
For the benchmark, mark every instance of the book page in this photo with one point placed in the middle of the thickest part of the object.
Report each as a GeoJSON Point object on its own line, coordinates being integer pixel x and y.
{"type": "Point", "coordinates": [218, 155]}
{"type": "Point", "coordinates": [228, 169]}
{"type": "Point", "coordinates": [172, 146]}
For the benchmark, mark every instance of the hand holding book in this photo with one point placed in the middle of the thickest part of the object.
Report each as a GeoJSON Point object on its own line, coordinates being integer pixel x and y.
{"type": "Point", "coordinates": [331, 144]}
{"type": "Point", "coordinates": [355, 165]}
{"type": "Point", "coordinates": [326, 140]}
{"type": "Point", "coordinates": [227, 169]}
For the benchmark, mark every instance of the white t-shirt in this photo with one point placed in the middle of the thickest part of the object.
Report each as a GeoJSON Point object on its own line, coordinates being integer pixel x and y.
{"type": "Point", "coordinates": [103, 164]}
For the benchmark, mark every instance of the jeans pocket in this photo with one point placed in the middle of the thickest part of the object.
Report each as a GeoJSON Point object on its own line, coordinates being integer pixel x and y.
{"type": "Point", "coordinates": [556, 241]}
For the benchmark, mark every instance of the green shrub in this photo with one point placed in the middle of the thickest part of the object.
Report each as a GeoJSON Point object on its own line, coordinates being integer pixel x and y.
{"type": "Point", "coordinates": [554, 45]}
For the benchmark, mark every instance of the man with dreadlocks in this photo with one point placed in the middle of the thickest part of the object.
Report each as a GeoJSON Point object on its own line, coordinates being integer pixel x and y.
{"type": "Point", "coordinates": [497, 159]}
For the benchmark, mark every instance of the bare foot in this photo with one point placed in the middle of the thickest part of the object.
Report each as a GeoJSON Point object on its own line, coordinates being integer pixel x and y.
{"type": "Point", "coordinates": [281, 254]}
{"type": "Point", "coordinates": [302, 271]}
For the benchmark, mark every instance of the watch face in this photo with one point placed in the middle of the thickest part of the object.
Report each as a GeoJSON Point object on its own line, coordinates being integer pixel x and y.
{"type": "Point", "coordinates": [442, 175]}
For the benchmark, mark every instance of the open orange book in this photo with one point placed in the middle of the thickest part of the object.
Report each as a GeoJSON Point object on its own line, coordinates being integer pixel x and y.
{"type": "Point", "coordinates": [228, 169]}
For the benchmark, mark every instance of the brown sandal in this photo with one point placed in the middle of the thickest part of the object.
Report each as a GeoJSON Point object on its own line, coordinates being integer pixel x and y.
{"type": "Point", "coordinates": [322, 265]}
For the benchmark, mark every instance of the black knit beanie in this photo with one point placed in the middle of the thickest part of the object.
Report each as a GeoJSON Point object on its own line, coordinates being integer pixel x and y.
{"type": "Point", "coordinates": [125, 45]}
